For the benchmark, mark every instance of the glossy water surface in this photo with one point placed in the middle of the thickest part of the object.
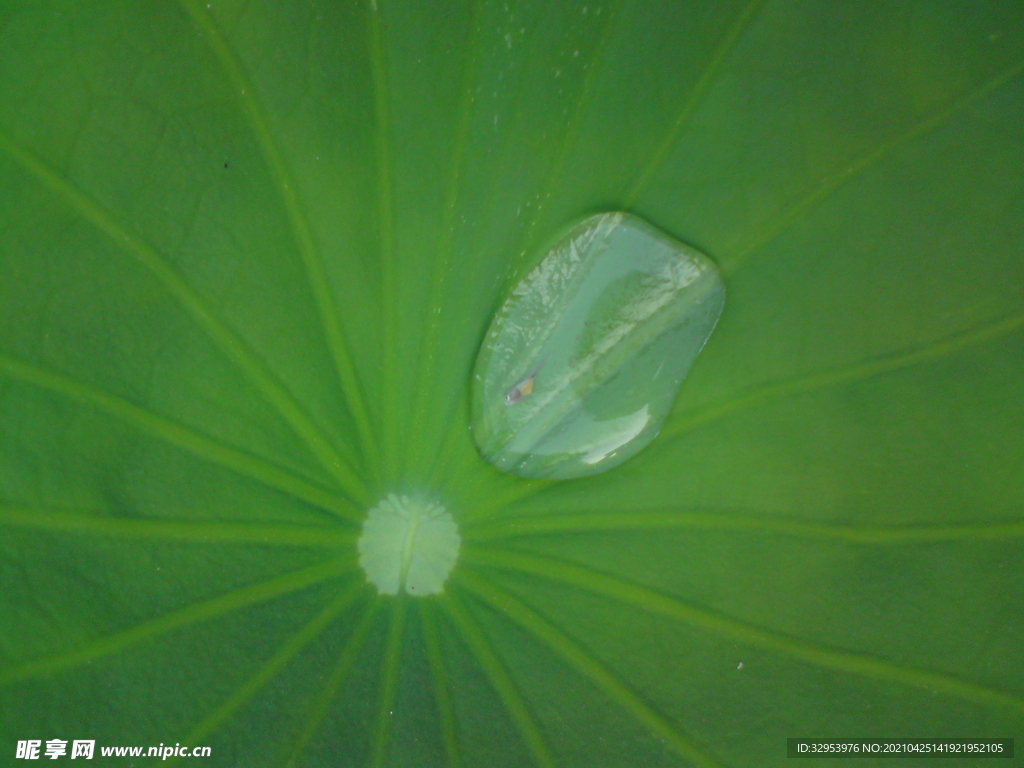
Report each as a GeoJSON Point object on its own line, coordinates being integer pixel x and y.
{"type": "Point", "coordinates": [584, 359]}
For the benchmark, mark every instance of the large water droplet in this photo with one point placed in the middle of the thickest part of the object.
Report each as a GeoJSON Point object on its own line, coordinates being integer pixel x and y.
{"type": "Point", "coordinates": [583, 361]}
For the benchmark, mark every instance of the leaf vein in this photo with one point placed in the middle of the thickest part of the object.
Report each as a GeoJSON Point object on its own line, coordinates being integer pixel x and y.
{"type": "Point", "coordinates": [731, 520]}
{"type": "Point", "coordinates": [570, 135]}
{"type": "Point", "coordinates": [229, 342]}
{"type": "Point", "coordinates": [386, 222]}
{"type": "Point", "coordinates": [589, 666]}
{"type": "Point", "coordinates": [332, 685]}
{"type": "Point", "coordinates": [272, 666]}
{"type": "Point", "coordinates": [208, 609]}
{"type": "Point", "coordinates": [862, 162]}
{"type": "Point", "coordinates": [389, 685]}
{"type": "Point", "coordinates": [660, 604]}
{"type": "Point", "coordinates": [447, 245]}
{"type": "Point", "coordinates": [180, 436]}
{"type": "Point", "coordinates": [312, 258]}
{"type": "Point", "coordinates": [441, 685]}
{"type": "Point", "coordinates": [174, 530]}
{"type": "Point", "coordinates": [763, 394]}
{"type": "Point", "coordinates": [693, 100]}
{"type": "Point", "coordinates": [500, 679]}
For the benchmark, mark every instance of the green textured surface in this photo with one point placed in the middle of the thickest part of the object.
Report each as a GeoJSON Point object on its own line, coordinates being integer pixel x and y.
{"type": "Point", "coordinates": [248, 251]}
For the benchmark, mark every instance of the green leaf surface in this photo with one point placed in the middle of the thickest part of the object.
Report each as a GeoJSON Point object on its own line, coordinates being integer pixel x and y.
{"type": "Point", "coordinates": [248, 253]}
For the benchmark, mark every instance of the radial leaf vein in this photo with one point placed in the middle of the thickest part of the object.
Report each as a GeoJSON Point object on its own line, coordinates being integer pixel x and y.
{"type": "Point", "coordinates": [101, 524]}
{"type": "Point", "coordinates": [181, 436]}
{"type": "Point", "coordinates": [229, 342]}
{"type": "Point", "coordinates": [386, 222]}
{"type": "Point", "coordinates": [660, 604]}
{"type": "Point", "coordinates": [318, 710]}
{"type": "Point", "coordinates": [861, 163]}
{"type": "Point", "coordinates": [589, 666]}
{"type": "Point", "coordinates": [570, 135]}
{"type": "Point", "coordinates": [441, 685]}
{"type": "Point", "coordinates": [388, 685]}
{"type": "Point", "coordinates": [731, 520]}
{"type": "Point", "coordinates": [269, 669]}
{"type": "Point", "coordinates": [454, 414]}
{"type": "Point", "coordinates": [763, 394]}
{"type": "Point", "coordinates": [500, 679]}
{"type": "Point", "coordinates": [456, 432]}
{"type": "Point", "coordinates": [207, 609]}
{"type": "Point", "coordinates": [517, 492]}
{"type": "Point", "coordinates": [312, 259]}
{"type": "Point", "coordinates": [693, 100]}
{"type": "Point", "coordinates": [446, 246]}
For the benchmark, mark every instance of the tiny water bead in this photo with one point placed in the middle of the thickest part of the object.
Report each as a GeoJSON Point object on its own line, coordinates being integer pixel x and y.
{"type": "Point", "coordinates": [408, 545]}
{"type": "Point", "coordinates": [583, 361]}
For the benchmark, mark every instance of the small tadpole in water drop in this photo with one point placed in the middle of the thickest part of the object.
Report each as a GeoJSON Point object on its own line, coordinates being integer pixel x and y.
{"type": "Point", "coordinates": [522, 388]}
{"type": "Point", "coordinates": [619, 310]}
